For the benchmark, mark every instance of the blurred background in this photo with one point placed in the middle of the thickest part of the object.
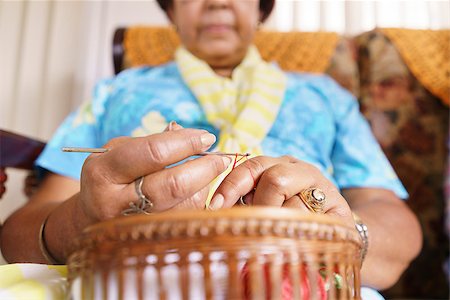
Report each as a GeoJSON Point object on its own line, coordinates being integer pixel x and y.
{"type": "Point", "coordinates": [53, 52]}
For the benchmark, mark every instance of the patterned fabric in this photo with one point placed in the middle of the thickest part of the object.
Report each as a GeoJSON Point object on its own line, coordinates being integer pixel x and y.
{"type": "Point", "coordinates": [412, 127]}
{"type": "Point", "coordinates": [343, 65]}
{"type": "Point", "coordinates": [243, 107]}
{"type": "Point", "coordinates": [318, 122]}
{"type": "Point", "coordinates": [427, 55]}
{"type": "Point", "coordinates": [33, 281]}
{"type": "Point", "coordinates": [447, 211]}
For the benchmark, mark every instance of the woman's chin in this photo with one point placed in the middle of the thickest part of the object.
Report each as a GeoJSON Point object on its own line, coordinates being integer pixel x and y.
{"type": "Point", "coordinates": [222, 52]}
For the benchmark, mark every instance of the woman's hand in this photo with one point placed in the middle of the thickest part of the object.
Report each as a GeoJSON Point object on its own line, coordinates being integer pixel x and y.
{"type": "Point", "coordinates": [108, 179]}
{"type": "Point", "coordinates": [393, 243]}
{"type": "Point", "coordinates": [277, 182]}
{"type": "Point", "coordinates": [107, 187]}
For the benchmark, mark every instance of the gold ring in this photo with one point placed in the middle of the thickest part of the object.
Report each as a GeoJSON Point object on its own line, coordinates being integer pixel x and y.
{"type": "Point", "coordinates": [314, 199]}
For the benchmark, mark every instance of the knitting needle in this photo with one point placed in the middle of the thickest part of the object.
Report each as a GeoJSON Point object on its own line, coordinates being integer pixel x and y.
{"type": "Point", "coordinates": [103, 150]}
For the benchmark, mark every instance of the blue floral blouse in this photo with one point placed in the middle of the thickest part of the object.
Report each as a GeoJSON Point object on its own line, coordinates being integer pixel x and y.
{"type": "Point", "coordinates": [318, 122]}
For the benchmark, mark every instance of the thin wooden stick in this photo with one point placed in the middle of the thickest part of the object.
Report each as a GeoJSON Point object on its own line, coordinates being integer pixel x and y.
{"type": "Point", "coordinates": [103, 150]}
{"type": "Point", "coordinates": [85, 150]}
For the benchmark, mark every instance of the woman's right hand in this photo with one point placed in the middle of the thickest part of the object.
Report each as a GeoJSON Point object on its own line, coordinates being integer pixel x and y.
{"type": "Point", "coordinates": [108, 179]}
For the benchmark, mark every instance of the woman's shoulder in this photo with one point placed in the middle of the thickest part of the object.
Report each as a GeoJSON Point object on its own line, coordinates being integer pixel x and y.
{"type": "Point", "coordinates": [137, 76]}
{"type": "Point", "coordinates": [316, 81]}
{"type": "Point", "coordinates": [138, 81]}
{"type": "Point", "coordinates": [322, 86]}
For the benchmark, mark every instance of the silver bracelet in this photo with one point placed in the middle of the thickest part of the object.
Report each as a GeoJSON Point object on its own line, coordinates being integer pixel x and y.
{"type": "Point", "coordinates": [363, 233]}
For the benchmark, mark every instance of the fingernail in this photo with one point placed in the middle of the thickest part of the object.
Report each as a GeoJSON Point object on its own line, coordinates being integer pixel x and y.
{"type": "Point", "coordinates": [176, 126]}
{"type": "Point", "coordinates": [226, 160]}
{"type": "Point", "coordinates": [207, 139]}
{"type": "Point", "coordinates": [170, 126]}
{"type": "Point", "coordinates": [216, 202]}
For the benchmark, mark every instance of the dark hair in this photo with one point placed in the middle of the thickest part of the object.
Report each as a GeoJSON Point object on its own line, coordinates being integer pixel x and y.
{"type": "Point", "coordinates": [265, 6]}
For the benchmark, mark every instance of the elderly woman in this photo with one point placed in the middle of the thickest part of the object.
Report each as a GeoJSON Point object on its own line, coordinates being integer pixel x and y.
{"type": "Point", "coordinates": [306, 130]}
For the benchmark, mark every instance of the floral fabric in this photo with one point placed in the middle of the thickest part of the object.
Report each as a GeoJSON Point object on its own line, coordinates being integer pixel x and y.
{"type": "Point", "coordinates": [412, 127]}
{"type": "Point", "coordinates": [318, 122]}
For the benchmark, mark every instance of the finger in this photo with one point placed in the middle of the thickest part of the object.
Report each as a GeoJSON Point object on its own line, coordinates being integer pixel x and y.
{"type": "Point", "coordinates": [335, 204]}
{"type": "Point", "coordinates": [171, 186]}
{"type": "Point", "coordinates": [117, 141]}
{"type": "Point", "coordinates": [282, 181]}
{"type": "Point", "coordinates": [173, 126]}
{"type": "Point", "coordinates": [296, 202]}
{"type": "Point", "coordinates": [141, 156]}
{"type": "Point", "coordinates": [196, 201]}
{"type": "Point", "coordinates": [244, 177]}
{"type": "Point", "coordinates": [248, 198]}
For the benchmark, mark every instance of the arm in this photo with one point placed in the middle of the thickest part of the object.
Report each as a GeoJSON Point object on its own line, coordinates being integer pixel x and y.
{"type": "Point", "coordinates": [395, 237]}
{"type": "Point", "coordinates": [358, 161]}
{"type": "Point", "coordinates": [394, 233]}
{"type": "Point", "coordinates": [21, 229]}
{"type": "Point", "coordinates": [107, 187]}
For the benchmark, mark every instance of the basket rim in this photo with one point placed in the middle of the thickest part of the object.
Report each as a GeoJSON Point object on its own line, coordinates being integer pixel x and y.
{"type": "Point", "coordinates": [254, 213]}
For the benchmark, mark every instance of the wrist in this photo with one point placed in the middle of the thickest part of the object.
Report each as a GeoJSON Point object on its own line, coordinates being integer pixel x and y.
{"type": "Point", "coordinates": [45, 252]}
{"type": "Point", "coordinates": [62, 225]}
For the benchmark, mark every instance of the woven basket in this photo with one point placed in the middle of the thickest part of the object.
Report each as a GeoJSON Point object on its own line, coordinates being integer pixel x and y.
{"type": "Point", "coordinates": [238, 253]}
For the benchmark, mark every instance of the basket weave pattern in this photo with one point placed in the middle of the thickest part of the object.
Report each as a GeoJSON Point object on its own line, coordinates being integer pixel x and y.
{"type": "Point", "coordinates": [202, 255]}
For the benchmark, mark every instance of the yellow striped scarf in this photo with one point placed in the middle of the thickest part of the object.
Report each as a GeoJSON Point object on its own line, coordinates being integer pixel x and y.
{"type": "Point", "coordinates": [244, 107]}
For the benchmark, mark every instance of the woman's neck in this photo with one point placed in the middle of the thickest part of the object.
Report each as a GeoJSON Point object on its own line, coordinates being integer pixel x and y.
{"type": "Point", "coordinates": [224, 65]}
{"type": "Point", "coordinates": [223, 71]}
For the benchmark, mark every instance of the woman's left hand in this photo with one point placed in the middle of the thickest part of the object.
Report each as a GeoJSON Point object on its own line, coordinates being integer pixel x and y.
{"type": "Point", "coordinates": [278, 181]}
